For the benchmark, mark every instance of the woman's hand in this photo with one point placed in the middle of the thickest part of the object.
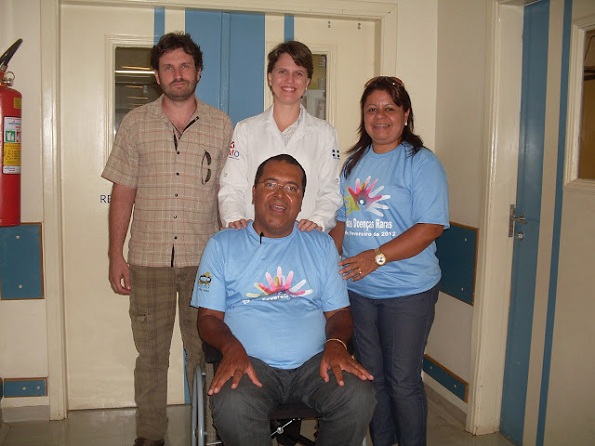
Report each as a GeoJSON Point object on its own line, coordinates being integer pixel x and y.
{"type": "Point", "coordinates": [410, 243]}
{"type": "Point", "coordinates": [308, 225]}
{"type": "Point", "coordinates": [239, 224]}
{"type": "Point", "coordinates": [357, 267]}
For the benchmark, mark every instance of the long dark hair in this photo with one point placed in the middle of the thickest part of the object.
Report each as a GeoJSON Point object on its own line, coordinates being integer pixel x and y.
{"type": "Point", "coordinates": [396, 89]}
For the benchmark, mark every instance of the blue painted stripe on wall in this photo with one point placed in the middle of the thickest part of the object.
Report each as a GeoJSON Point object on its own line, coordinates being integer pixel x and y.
{"type": "Point", "coordinates": [450, 381]}
{"type": "Point", "coordinates": [289, 27]}
{"type": "Point", "coordinates": [18, 388]}
{"type": "Point", "coordinates": [233, 47]}
{"type": "Point", "coordinates": [225, 60]}
{"type": "Point", "coordinates": [158, 23]}
{"type": "Point", "coordinates": [205, 29]}
{"type": "Point", "coordinates": [247, 66]}
{"type": "Point", "coordinates": [158, 31]}
{"type": "Point", "coordinates": [554, 266]}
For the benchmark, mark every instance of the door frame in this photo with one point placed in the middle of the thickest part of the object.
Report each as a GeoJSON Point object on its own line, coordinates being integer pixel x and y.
{"type": "Point", "coordinates": [384, 13]}
{"type": "Point", "coordinates": [490, 315]}
{"type": "Point", "coordinates": [490, 318]}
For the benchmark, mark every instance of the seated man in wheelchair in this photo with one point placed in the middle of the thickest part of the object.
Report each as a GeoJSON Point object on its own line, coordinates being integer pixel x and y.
{"type": "Point", "coordinates": [271, 300]}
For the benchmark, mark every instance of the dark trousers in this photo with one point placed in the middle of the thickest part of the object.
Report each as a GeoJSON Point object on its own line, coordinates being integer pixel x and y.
{"type": "Point", "coordinates": [390, 336]}
{"type": "Point", "coordinates": [241, 416]}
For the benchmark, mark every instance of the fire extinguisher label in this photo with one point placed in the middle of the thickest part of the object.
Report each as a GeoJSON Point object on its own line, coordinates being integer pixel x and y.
{"type": "Point", "coordinates": [11, 155]}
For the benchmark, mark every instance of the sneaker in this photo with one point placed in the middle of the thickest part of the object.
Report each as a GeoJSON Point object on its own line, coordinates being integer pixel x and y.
{"type": "Point", "coordinates": [140, 441]}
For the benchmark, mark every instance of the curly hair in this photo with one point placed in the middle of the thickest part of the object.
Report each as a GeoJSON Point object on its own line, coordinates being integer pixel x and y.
{"type": "Point", "coordinates": [172, 41]}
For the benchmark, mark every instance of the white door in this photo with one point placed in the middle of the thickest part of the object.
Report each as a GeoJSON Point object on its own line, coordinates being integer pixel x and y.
{"type": "Point", "coordinates": [99, 347]}
{"type": "Point", "coordinates": [100, 350]}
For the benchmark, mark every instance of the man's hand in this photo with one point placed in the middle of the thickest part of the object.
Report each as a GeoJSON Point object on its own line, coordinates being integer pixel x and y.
{"type": "Point", "coordinates": [120, 211]}
{"type": "Point", "coordinates": [336, 358]}
{"type": "Point", "coordinates": [119, 276]}
{"type": "Point", "coordinates": [235, 361]}
{"type": "Point", "coordinates": [234, 365]}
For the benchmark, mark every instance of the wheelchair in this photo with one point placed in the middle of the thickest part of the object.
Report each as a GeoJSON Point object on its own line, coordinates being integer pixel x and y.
{"type": "Point", "coordinates": [281, 418]}
{"type": "Point", "coordinates": [285, 418]}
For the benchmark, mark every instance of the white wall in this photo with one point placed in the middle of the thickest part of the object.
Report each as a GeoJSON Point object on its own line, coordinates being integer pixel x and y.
{"type": "Point", "coordinates": [460, 81]}
{"type": "Point", "coordinates": [23, 338]}
{"type": "Point", "coordinates": [416, 61]}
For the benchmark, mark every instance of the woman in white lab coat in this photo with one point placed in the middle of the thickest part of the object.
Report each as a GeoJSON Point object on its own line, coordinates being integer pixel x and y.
{"type": "Point", "coordinates": [286, 127]}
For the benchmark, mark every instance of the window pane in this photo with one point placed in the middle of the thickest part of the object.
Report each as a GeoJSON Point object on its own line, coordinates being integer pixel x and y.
{"type": "Point", "coordinates": [135, 83]}
{"type": "Point", "coordinates": [315, 97]}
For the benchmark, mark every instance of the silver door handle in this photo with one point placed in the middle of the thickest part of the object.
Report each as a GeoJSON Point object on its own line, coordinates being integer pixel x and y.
{"type": "Point", "coordinates": [513, 218]}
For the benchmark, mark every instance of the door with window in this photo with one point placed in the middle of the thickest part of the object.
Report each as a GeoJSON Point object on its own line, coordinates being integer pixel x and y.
{"type": "Point", "coordinates": [103, 74]}
{"type": "Point", "coordinates": [549, 341]}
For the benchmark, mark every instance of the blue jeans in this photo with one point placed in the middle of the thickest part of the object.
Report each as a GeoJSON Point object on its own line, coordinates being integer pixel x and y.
{"type": "Point", "coordinates": [241, 416]}
{"type": "Point", "coordinates": [390, 337]}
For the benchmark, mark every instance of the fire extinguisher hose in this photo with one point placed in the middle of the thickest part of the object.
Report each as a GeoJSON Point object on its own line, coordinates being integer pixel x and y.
{"type": "Point", "coordinates": [5, 58]}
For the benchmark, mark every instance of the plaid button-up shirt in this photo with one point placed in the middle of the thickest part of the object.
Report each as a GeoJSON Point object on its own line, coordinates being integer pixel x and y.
{"type": "Point", "coordinates": [176, 178]}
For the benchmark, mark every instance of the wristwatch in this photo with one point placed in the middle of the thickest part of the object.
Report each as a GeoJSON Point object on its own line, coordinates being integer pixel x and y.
{"type": "Point", "coordinates": [380, 258]}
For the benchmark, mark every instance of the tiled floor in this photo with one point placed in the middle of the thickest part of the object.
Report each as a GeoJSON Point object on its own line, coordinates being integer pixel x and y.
{"type": "Point", "coordinates": [115, 427]}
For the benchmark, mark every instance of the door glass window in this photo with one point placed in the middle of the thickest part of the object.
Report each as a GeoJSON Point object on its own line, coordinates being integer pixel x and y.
{"type": "Point", "coordinates": [586, 168]}
{"type": "Point", "coordinates": [315, 97]}
{"type": "Point", "coordinates": [135, 83]}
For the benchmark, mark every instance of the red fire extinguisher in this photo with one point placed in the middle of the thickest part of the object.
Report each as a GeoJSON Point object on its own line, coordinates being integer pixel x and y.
{"type": "Point", "coordinates": [10, 143]}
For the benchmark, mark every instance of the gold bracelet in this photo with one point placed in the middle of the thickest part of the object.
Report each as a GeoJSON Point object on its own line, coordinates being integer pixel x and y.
{"type": "Point", "coordinates": [338, 340]}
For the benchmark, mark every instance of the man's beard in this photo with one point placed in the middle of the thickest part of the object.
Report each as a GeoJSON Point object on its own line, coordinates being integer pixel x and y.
{"type": "Point", "coordinates": [177, 95]}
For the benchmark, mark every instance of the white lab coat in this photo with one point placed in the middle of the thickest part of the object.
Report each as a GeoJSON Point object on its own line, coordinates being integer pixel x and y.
{"type": "Point", "coordinates": [314, 145]}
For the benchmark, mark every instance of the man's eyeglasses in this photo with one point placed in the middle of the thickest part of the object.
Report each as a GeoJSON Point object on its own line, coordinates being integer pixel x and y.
{"type": "Point", "coordinates": [273, 186]}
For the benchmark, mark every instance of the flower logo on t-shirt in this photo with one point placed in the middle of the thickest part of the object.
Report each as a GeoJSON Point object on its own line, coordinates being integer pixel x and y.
{"type": "Point", "coordinates": [279, 287]}
{"type": "Point", "coordinates": [363, 197]}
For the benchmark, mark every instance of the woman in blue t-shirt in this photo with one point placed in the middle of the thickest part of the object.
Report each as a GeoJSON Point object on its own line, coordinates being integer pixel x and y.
{"type": "Point", "coordinates": [395, 204]}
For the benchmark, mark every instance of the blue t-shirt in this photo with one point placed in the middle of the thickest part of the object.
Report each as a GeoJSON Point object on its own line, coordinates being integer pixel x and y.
{"type": "Point", "coordinates": [274, 291]}
{"type": "Point", "coordinates": [384, 195]}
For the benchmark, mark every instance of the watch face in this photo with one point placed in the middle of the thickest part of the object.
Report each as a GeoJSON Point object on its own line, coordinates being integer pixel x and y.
{"type": "Point", "coordinates": [380, 259]}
